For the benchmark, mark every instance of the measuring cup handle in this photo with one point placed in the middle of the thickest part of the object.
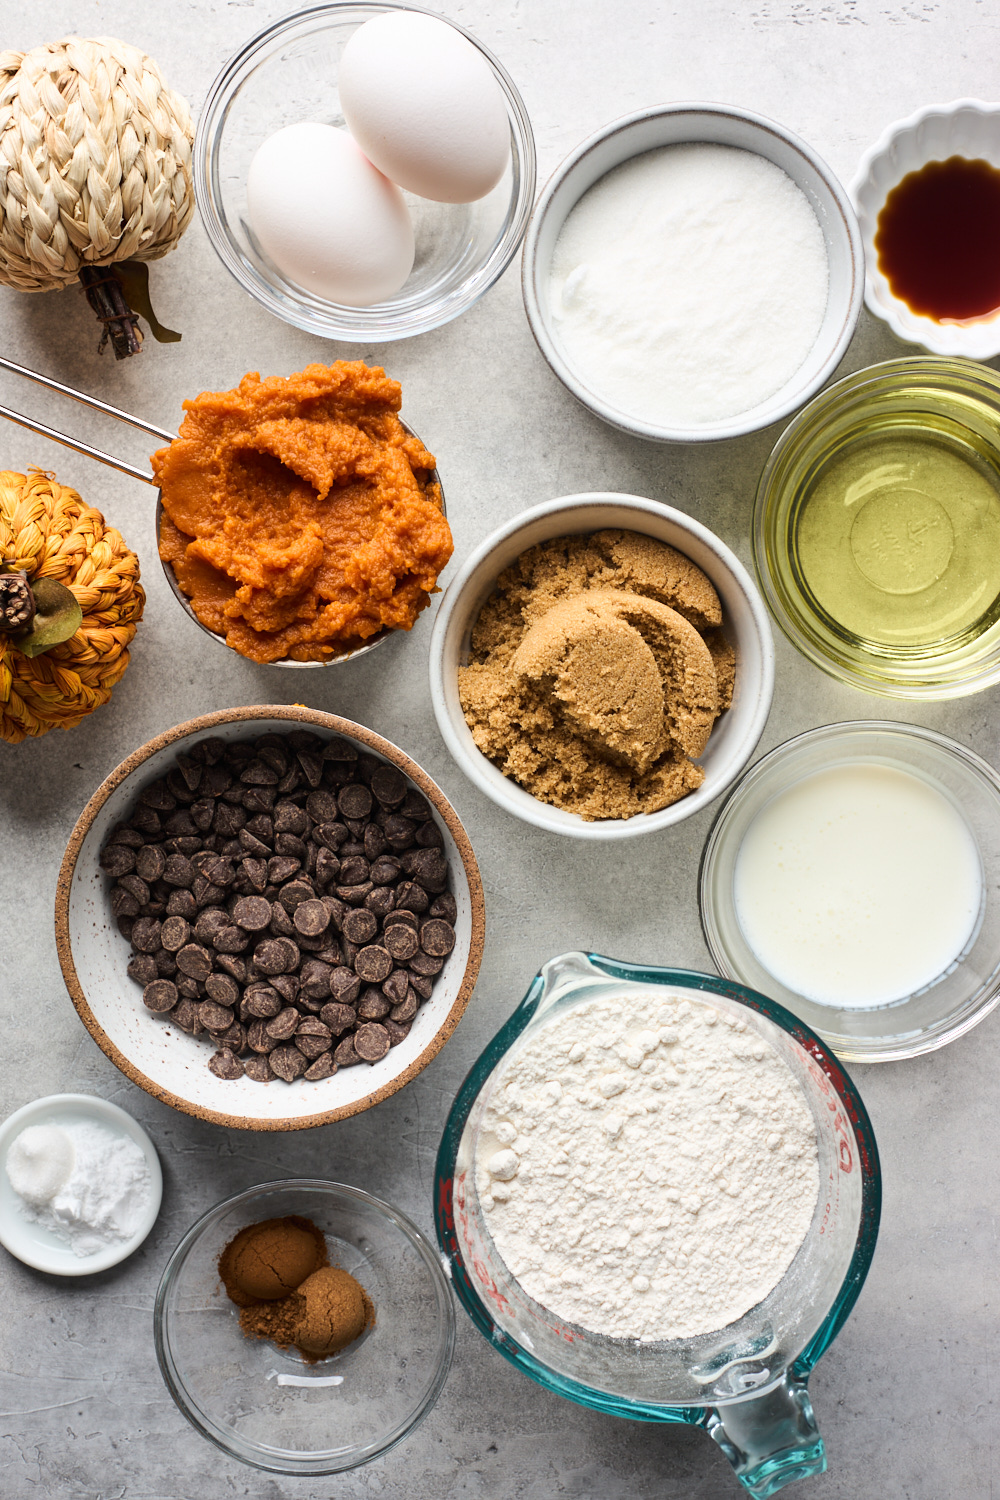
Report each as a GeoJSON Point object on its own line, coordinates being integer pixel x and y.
{"type": "Point", "coordinates": [771, 1439]}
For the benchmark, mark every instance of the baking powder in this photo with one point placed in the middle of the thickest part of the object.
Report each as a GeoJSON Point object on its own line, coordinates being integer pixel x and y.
{"type": "Point", "coordinates": [647, 1170]}
{"type": "Point", "coordinates": [689, 284]}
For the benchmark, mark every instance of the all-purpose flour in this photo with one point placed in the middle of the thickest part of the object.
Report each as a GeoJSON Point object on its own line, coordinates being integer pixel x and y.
{"type": "Point", "coordinates": [647, 1171]}
{"type": "Point", "coordinates": [689, 284]}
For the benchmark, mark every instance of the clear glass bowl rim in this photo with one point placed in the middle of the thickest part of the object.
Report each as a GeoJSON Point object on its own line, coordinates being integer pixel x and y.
{"type": "Point", "coordinates": [357, 325]}
{"type": "Point", "coordinates": [320, 1464]}
{"type": "Point", "coordinates": [952, 374]}
{"type": "Point", "coordinates": [444, 1174]}
{"type": "Point", "coordinates": [844, 729]}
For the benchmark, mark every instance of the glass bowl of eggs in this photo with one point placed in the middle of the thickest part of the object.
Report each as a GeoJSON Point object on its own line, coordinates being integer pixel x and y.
{"type": "Point", "coordinates": [365, 171]}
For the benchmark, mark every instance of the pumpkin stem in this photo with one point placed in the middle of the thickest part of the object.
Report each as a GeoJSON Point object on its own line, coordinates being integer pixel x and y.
{"type": "Point", "coordinates": [17, 602]}
{"type": "Point", "coordinates": [106, 297]}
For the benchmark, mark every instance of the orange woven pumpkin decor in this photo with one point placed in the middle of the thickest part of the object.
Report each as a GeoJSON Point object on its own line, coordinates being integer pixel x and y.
{"type": "Point", "coordinates": [48, 532]}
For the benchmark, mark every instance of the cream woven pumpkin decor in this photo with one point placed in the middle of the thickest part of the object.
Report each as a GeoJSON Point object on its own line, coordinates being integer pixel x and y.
{"type": "Point", "coordinates": [95, 166]}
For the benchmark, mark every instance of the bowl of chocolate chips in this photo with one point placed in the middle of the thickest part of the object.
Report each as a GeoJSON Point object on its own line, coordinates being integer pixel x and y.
{"type": "Point", "coordinates": [270, 918]}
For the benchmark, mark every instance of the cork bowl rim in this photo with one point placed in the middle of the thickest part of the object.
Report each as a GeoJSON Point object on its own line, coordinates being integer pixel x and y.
{"type": "Point", "coordinates": [204, 724]}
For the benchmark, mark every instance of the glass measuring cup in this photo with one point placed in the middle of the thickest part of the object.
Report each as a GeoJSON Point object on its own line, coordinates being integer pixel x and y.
{"type": "Point", "coordinates": [745, 1384]}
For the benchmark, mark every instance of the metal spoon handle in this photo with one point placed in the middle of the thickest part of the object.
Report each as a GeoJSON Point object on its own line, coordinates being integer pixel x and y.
{"type": "Point", "coordinates": [76, 445]}
{"type": "Point", "coordinates": [91, 401]}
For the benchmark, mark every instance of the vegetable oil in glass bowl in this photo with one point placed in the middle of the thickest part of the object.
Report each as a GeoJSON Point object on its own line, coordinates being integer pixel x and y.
{"type": "Point", "coordinates": [877, 529]}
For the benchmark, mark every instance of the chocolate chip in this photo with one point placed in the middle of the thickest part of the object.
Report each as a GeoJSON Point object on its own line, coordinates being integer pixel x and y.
{"type": "Point", "coordinates": [359, 926]}
{"type": "Point", "coordinates": [425, 965]}
{"type": "Point", "coordinates": [401, 941]}
{"type": "Point", "coordinates": [232, 965]}
{"type": "Point", "coordinates": [284, 1024]}
{"type": "Point", "coordinates": [288, 1063]}
{"type": "Point", "coordinates": [181, 903]}
{"type": "Point", "coordinates": [411, 897]}
{"type": "Point", "coordinates": [415, 806]}
{"type": "Point", "coordinates": [373, 841]}
{"type": "Point", "coordinates": [214, 1017]}
{"type": "Point", "coordinates": [150, 862]}
{"type": "Point", "coordinates": [445, 907]}
{"type": "Point", "coordinates": [281, 924]}
{"type": "Point", "coordinates": [252, 913]}
{"type": "Point", "coordinates": [174, 933]}
{"type": "Point", "coordinates": [371, 1042]}
{"type": "Point", "coordinates": [323, 1067]}
{"type": "Point", "coordinates": [178, 870]}
{"type": "Point", "coordinates": [223, 989]}
{"type": "Point", "coordinates": [231, 940]}
{"type": "Point", "coordinates": [142, 968]}
{"type": "Point", "coordinates": [156, 796]}
{"type": "Point", "coordinates": [354, 801]}
{"type": "Point", "coordinates": [399, 915]}
{"type": "Point", "coordinates": [160, 996]}
{"type": "Point", "coordinates": [276, 955]}
{"type": "Point", "coordinates": [225, 1065]}
{"type": "Point", "coordinates": [185, 1015]}
{"type": "Point", "coordinates": [373, 964]}
{"type": "Point", "coordinates": [146, 935]}
{"type": "Point", "coordinates": [194, 961]}
{"type": "Point", "coordinates": [385, 870]}
{"type": "Point", "coordinates": [396, 986]}
{"type": "Point", "coordinates": [429, 835]}
{"type": "Point", "coordinates": [345, 986]}
{"type": "Point", "coordinates": [354, 895]}
{"type": "Point", "coordinates": [208, 924]}
{"type": "Point", "coordinates": [313, 1037]}
{"type": "Point", "coordinates": [287, 986]}
{"type": "Point", "coordinates": [130, 837]}
{"type": "Point", "coordinates": [389, 785]}
{"type": "Point", "coordinates": [399, 832]}
{"type": "Point", "coordinates": [259, 1038]}
{"type": "Point", "coordinates": [123, 904]}
{"type": "Point", "coordinates": [407, 1007]}
{"type": "Point", "coordinates": [337, 1018]}
{"type": "Point", "coordinates": [311, 918]}
{"type": "Point", "coordinates": [258, 1068]}
{"type": "Point", "coordinates": [345, 1055]}
{"type": "Point", "coordinates": [166, 964]}
{"type": "Point", "coordinates": [397, 1032]}
{"type": "Point", "coordinates": [235, 1038]}
{"type": "Point", "coordinates": [331, 835]}
{"type": "Point", "coordinates": [354, 870]}
{"type": "Point", "coordinates": [373, 1006]}
{"type": "Point", "coordinates": [437, 937]}
{"type": "Point", "coordinates": [281, 867]}
{"type": "Point", "coordinates": [422, 984]}
{"type": "Point", "coordinates": [295, 893]}
{"type": "Point", "coordinates": [322, 807]}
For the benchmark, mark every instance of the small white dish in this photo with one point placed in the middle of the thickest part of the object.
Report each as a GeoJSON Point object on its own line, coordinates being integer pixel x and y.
{"type": "Point", "coordinates": [744, 621]}
{"type": "Point", "coordinates": [675, 124]}
{"type": "Point", "coordinates": [34, 1244]}
{"type": "Point", "coordinates": [966, 127]}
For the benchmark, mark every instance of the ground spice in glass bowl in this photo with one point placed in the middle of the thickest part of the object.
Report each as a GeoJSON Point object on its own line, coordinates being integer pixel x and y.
{"type": "Point", "coordinates": [277, 1272]}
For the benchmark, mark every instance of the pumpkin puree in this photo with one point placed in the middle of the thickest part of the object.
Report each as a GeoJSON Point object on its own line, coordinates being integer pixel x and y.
{"type": "Point", "coordinates": [299, 515]}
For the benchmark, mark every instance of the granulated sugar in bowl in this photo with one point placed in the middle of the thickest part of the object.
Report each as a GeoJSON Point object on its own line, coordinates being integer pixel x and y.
{"type": "Point", "coordinates": [693, 272]}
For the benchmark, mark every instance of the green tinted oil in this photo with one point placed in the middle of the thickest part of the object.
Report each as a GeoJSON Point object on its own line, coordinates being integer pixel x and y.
{"type": "Point", "coordinates": [898, 541]}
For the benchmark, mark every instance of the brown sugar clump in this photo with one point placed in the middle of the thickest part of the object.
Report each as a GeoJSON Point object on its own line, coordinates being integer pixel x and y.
{"type": "Point", "coordinates": [334, 1311]}
{"type": "Point", "coordinates": [598, 669]}
{"type": "Point", "coordinates": [268, 1260]}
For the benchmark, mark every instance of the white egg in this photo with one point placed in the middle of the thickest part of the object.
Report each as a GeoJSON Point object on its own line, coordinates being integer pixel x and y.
{"type": "Point", "coordinates": [424, 105]}
{"type": "Point", "coordinates": [328, 219]}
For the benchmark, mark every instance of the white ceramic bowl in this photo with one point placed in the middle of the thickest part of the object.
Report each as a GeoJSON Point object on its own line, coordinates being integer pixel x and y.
{"type": "Point", "coordinates": [33, 1243]}
{"type": "Point", "coordinates": [966, 127]}
{"type": "Point", "coordinates": [669, 125]}
{"type": "Point", "coordinates": [745, 622]}
{"type": "Point", "coordinates": [171, 1065]}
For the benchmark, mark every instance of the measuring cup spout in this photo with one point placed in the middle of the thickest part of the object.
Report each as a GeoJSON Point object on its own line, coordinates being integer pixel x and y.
{"type": "Point", "coordinates": [770, 1440]}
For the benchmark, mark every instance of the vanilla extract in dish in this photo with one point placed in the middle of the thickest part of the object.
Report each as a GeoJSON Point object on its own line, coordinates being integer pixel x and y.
{"type": "Point", "coordinates": [938, 240]}
{"type": "Point", "coordinates": [858, 886]}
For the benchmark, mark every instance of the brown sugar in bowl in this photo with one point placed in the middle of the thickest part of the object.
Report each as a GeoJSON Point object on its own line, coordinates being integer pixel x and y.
{"type": "Point", "coordinates": [171, 1065]}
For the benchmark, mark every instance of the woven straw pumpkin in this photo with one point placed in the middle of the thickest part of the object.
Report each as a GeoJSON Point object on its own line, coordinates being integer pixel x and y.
{"type": "Point", "coordinates": [95, 161]}
{"type": "Point", "coordinates": [47, 531]}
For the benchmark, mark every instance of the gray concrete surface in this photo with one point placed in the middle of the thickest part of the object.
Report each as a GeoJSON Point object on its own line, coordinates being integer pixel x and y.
{"type": "Point", "coordinates": [905, 1397]}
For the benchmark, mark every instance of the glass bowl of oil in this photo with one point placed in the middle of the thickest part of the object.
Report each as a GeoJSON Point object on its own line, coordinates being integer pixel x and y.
{"type": "Point", "coordinates": [876, 529]}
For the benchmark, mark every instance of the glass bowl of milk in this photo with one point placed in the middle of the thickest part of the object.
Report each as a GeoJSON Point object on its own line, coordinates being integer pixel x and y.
{"type": "Point", "coordinates": [852, 876]}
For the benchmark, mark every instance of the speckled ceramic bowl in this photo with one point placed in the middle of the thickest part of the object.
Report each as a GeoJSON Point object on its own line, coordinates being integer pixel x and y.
{"type": "Point", "coordinates": [173, 1066]}
{"type": "Point", "coordinates": [966, 127]}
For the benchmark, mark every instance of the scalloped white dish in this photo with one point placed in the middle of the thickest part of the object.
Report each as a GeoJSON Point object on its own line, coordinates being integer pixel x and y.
{"type": "Point", "coordinates": [965, 127]}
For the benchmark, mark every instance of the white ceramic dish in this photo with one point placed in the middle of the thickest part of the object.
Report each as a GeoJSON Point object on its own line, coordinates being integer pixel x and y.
{"type": "Point", "coordinates": [966, 127]}
{"type": "Point", "coordinates": [173, 1066]}
{"type": "Point", "coordinates": [668, 125]}
{"type": "Point", "coordinates": [744, 620]}
{"type": "Point", "coordinates": [33, 1243]}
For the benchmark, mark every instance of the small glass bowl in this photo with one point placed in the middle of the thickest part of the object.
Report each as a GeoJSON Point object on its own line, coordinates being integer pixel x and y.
{"type": "Point", "coordinates": [968, 989]}
{"type": "Point", "coordinates": [266, 1406]}
{"type": "Point", "coordinates": [948, 403]}
{"type": "Point", "coordinates": [288, 73]}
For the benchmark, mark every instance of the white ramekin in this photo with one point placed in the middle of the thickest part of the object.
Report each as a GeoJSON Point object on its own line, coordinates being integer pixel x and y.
{"type": "Point", "coordinates": [966, 127]}
{"type": "Point", "coordinates": [745, 621]}
{"type": "Point", "coordinates": [675, 124]}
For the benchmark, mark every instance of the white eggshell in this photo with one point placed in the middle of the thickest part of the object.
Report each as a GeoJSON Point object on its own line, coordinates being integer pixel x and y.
{"type": "Point", "coordinates": [327, 218]}
{"type": "Point", "coordinates": [425, 107]}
